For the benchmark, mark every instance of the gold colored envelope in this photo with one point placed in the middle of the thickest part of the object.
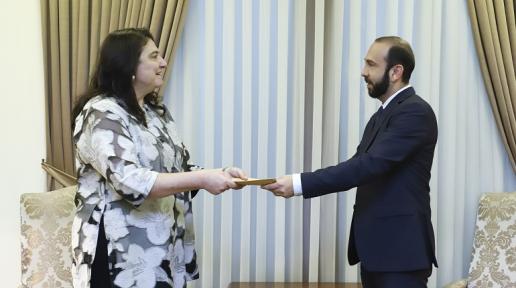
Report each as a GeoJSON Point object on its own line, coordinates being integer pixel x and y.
{"type": "Point", "coordinates": [254, 181]}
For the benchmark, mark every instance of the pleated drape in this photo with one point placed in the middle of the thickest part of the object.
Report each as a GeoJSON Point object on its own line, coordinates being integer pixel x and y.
{"type": "Point", "coordinates": [72, 34]}
{"type": "Point", "coordinates": [494, 28]}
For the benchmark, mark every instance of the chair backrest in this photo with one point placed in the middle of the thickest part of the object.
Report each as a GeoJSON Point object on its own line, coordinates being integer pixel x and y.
{"type": "Point", "coordinates": [46, 223]}
{"type": "Point", "coordinates": [494, 248]}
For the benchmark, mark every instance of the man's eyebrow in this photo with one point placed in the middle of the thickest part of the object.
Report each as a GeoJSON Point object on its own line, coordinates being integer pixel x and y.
{"type": "Point", "coordinates": [369, 61]}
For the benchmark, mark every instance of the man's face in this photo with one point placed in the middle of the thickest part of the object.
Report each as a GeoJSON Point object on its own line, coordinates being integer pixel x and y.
{"type": "Point", "coordinates": [375, 71]}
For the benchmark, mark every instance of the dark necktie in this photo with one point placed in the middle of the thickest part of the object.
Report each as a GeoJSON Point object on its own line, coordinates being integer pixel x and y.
{"type": "Point", "coordinates": [378, 117]}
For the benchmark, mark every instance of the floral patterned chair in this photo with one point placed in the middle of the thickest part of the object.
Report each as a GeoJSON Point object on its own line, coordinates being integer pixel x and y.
{"type": "Point", "coordinates": [46, 222]}
{"type": "Point", "coordinates": [494, 248]}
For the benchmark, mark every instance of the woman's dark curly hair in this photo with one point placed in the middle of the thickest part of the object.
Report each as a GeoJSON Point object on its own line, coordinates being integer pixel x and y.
{"type": "Point", "coordinates": [117, 63]}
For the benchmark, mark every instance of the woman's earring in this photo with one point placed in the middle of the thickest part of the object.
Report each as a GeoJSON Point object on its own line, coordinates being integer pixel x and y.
{"type": "Point", "coordinates": [133, 77]}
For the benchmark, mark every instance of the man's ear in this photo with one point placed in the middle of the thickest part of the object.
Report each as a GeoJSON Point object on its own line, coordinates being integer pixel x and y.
{"type": "Point", "coordinates": [396, 72]}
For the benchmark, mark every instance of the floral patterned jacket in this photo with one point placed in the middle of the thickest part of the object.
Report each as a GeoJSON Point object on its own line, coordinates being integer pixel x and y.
{"type": "Point", "coordinates": [150, 241]}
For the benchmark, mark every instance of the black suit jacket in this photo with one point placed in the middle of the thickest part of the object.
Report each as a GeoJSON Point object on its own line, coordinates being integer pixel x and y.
{"type": "Point", "coordinates": [391, 228]}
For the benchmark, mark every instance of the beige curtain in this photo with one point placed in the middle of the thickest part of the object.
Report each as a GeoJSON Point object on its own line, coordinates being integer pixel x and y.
{"type": "Point", "coordinates": [494, 30]}
{"type": "Point", "coordinates": [72, 34]}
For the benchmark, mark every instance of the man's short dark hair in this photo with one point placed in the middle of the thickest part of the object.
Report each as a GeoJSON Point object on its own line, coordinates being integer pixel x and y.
{"type": "Point", "coordinates": [400, 53]}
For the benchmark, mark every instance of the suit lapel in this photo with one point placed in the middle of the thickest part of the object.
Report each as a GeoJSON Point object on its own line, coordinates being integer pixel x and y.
{"type": "Point", "coordinates": [391, 108]}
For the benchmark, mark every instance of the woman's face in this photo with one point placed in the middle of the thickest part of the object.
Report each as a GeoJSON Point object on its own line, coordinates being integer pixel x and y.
{"type": "Point", "coordinates": [150, 70]}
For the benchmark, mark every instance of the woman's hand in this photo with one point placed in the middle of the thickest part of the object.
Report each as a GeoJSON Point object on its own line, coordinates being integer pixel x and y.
{"type": "Point", "coordinates": [214, 181]}
{"type": "Point", "coordinates": [236, 172]}
{"type": "Point", "coordinates": [217, 181]}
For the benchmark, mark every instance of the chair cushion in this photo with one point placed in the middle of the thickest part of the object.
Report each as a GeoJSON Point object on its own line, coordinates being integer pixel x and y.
{"type": "Point", "coordinates": [494, 247]}
{"type": "Point", "coordinates": [46, 222]}
{"type": "Point", "coordinates": [462, 283]}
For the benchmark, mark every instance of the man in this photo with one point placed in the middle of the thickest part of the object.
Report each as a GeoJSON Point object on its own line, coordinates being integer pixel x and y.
{"type": "Point", "coordinates": [391, 232]}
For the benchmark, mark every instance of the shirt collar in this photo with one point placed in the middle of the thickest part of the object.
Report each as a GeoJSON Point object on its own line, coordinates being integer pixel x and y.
{"type": "Point", "coordinates": [384, 105]}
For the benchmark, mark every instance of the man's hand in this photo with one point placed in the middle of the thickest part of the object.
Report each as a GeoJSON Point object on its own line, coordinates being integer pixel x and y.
{"type": "Point", "coordinates": [282, 187]}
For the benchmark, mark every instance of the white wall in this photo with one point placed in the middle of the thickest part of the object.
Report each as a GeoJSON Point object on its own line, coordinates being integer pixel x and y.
{"type": "Point", "coordinates": [22, 123]}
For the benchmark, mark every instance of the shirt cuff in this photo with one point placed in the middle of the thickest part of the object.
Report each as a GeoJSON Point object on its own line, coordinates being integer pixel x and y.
{"type": "Point", "coordinates": [149, 178]}
{"type": "Point", "coordinates": [296, 183]}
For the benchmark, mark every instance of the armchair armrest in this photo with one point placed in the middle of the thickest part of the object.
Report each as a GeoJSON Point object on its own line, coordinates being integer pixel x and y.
{"type": "Point", "coordinates": [462, 283]}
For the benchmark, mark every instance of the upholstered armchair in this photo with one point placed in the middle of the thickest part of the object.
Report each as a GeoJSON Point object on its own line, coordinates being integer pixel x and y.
{"type": "Point", "coordinates": [494, 248]}
{"type": "Point", "coordinates": [46, 223]}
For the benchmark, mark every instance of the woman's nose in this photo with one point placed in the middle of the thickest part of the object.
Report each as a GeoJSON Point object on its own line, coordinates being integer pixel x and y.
{"type": "Point", "coordinates": [163, 63]}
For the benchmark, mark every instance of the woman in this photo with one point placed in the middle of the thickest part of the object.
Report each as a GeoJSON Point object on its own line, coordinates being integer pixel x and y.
{"type": "Point", "coordinates": [133, 226]}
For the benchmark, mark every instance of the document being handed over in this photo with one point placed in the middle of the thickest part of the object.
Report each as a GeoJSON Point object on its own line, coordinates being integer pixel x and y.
{"type": "Point", "coordinates": [254, 181]}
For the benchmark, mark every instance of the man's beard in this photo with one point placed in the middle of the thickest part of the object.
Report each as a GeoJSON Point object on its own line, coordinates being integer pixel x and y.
{"type": "Point", "coordinates": [380, 88]}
